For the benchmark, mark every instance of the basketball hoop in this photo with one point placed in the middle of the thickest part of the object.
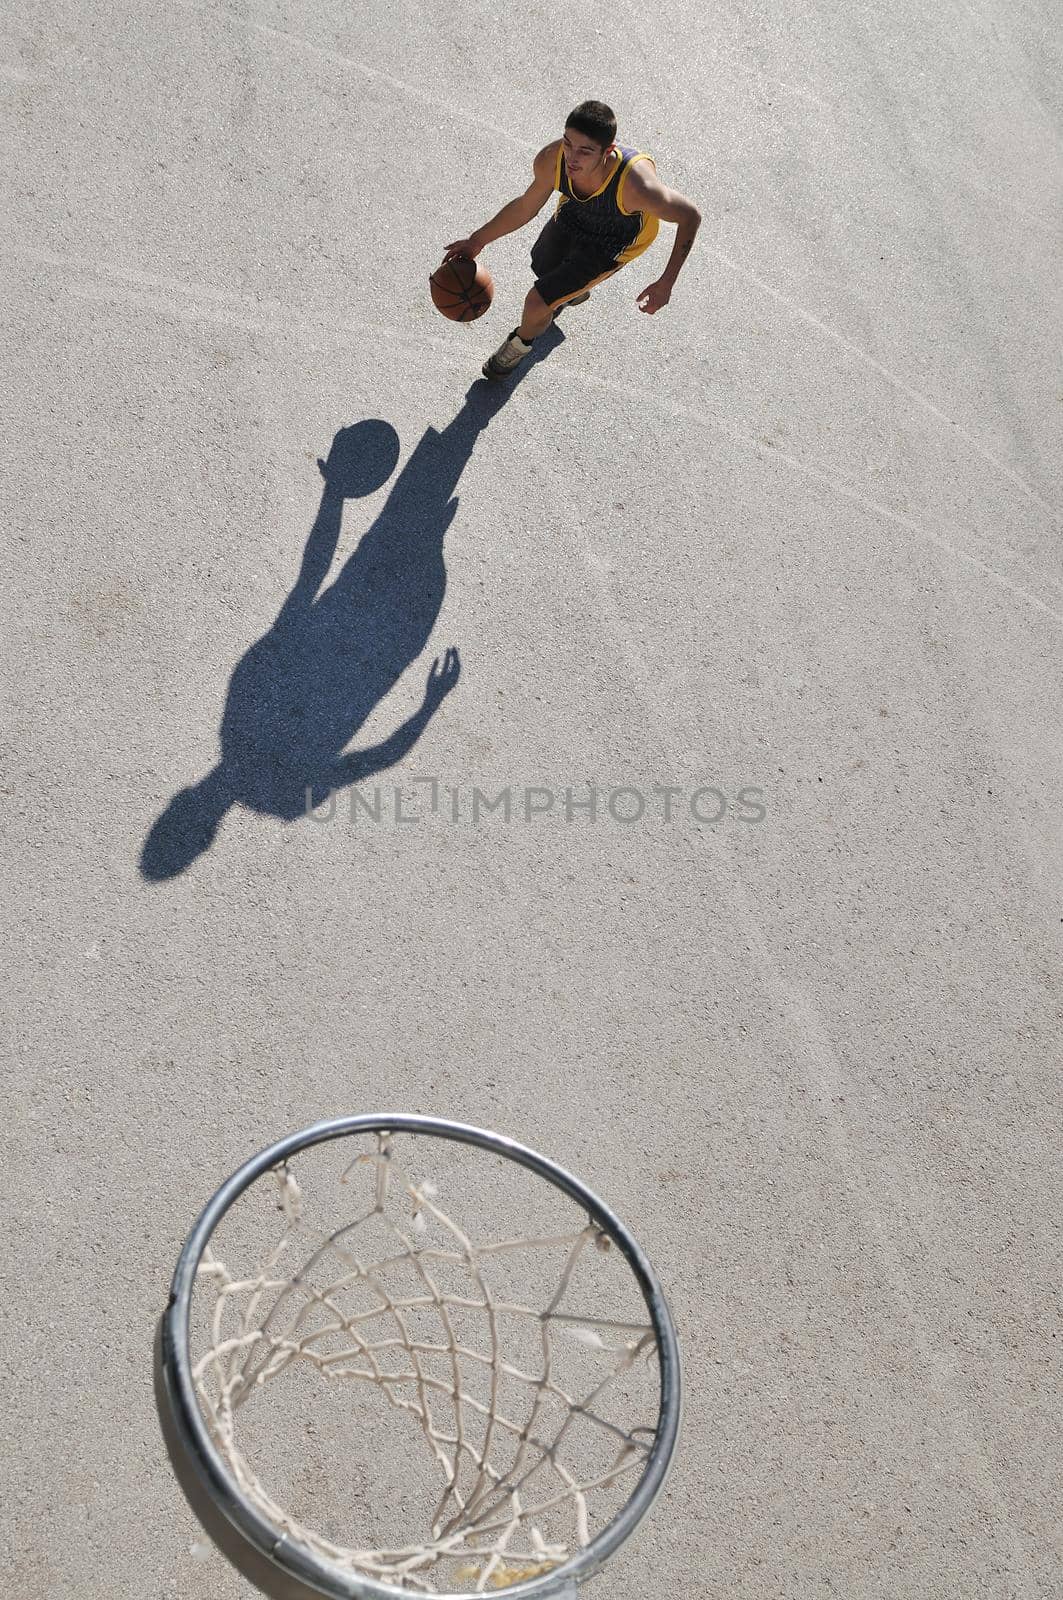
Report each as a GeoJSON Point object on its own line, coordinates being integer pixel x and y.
{"type": "Point", "coordinates": [535, 1376]}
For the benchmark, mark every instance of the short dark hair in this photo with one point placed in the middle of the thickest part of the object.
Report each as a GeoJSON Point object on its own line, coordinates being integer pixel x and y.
{"type": "Point", "coordinates": [595, 119]}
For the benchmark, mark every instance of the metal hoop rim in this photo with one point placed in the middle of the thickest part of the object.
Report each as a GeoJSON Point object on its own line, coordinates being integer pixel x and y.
{"type": "Point", "coordinates": [295, 1560]}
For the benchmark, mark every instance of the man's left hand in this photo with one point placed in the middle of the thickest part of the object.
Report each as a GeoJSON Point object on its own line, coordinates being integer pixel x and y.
{"type": "Point", "coordinates": [657, 295]}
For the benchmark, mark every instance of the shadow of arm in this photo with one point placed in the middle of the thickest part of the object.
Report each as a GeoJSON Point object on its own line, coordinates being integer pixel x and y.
{"type": "Point", "coordinates": [318, 553]}
{"type": "Point", "coordinates": [362, 764]}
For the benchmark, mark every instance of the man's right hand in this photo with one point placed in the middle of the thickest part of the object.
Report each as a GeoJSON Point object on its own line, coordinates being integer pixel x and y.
{"type": "Point", "coordinates": [462, 247]}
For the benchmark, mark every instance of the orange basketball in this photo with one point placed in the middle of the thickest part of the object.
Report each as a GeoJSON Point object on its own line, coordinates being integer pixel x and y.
{"type": "Point", "coordinates": [461, 289]}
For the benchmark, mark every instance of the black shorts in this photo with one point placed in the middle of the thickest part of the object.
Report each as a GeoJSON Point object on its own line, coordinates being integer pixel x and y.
{"type": "Point", "coordinates": [564, 266]}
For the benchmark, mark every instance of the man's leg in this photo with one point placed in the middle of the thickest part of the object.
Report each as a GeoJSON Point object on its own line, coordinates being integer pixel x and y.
{"type": "Point", "coordinates": [565, 271]}
{"type": "Point", "coordinates": [547, 254]}
{"type": "Point", "coordinates": [536, 316]}
{"type": "Point", "coordinates": [550, 255]}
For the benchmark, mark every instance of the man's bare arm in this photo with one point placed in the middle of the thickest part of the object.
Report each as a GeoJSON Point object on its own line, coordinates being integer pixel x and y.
{"type": "Point", "coordinates": [644, 192]}
{"type": "Point", "coordinates": [517, 212]}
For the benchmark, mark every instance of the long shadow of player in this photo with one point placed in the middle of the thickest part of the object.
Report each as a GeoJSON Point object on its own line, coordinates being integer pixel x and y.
{"type": "Point", "coordinates": [301, 693]}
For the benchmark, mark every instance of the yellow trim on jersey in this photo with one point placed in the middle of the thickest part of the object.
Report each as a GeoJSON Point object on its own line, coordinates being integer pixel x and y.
{"type": "Point", "coordinates": [651, 225]}
{"type": "Point", "coordinates": [640, 155]}
{"type": "Point", "coordinates": [561, 198]}
{"type": "Point", "coordinates": [583, 198]}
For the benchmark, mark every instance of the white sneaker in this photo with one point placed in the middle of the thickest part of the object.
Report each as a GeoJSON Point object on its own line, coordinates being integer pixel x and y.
{"type": "Point", "coordinates": [508, 355]}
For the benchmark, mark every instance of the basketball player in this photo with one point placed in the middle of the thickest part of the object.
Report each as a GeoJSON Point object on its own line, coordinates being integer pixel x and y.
{"type": "Point", "coordinates": [609, 210]}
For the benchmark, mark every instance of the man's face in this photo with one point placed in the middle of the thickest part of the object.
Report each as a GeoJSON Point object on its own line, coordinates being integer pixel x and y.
{"type": "Point", "coordinates": [582, 154]}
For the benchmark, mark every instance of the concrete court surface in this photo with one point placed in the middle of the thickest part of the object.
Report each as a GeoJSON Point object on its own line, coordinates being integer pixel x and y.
{"type": "Point", "coordinates": [798, 533]}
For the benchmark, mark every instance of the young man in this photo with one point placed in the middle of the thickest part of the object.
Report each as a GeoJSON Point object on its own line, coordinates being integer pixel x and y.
{"type": "Point", "coordinates": [609, 210]}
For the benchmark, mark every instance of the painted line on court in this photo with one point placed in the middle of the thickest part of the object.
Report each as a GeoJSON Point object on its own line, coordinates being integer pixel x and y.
{"type": "Point", "coordinates": [646, 398]}
{"type": "Point", "coordinates": [891, 377]}
{"type": "Point", "coordinates": [414, 91]}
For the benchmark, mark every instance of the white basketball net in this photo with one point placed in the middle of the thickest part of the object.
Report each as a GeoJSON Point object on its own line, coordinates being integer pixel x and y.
{"type": "Point", "coordinates": [504, 1439]}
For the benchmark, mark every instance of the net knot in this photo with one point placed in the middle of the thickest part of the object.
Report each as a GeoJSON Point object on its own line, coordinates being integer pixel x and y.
{"type": "Point", "coordinates": [289, 1194]}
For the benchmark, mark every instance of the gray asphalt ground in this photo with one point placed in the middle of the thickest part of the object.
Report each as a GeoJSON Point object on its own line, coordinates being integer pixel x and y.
{"type": "Point", "coordinates": [798, 533]}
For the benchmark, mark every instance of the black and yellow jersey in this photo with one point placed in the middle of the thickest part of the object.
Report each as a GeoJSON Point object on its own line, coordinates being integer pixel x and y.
{"type": "Point", "coordinates": [600, 220]}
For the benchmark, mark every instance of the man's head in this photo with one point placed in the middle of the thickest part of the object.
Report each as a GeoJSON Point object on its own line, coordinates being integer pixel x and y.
{"type": "Point", "coordinates": [590, 132]}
